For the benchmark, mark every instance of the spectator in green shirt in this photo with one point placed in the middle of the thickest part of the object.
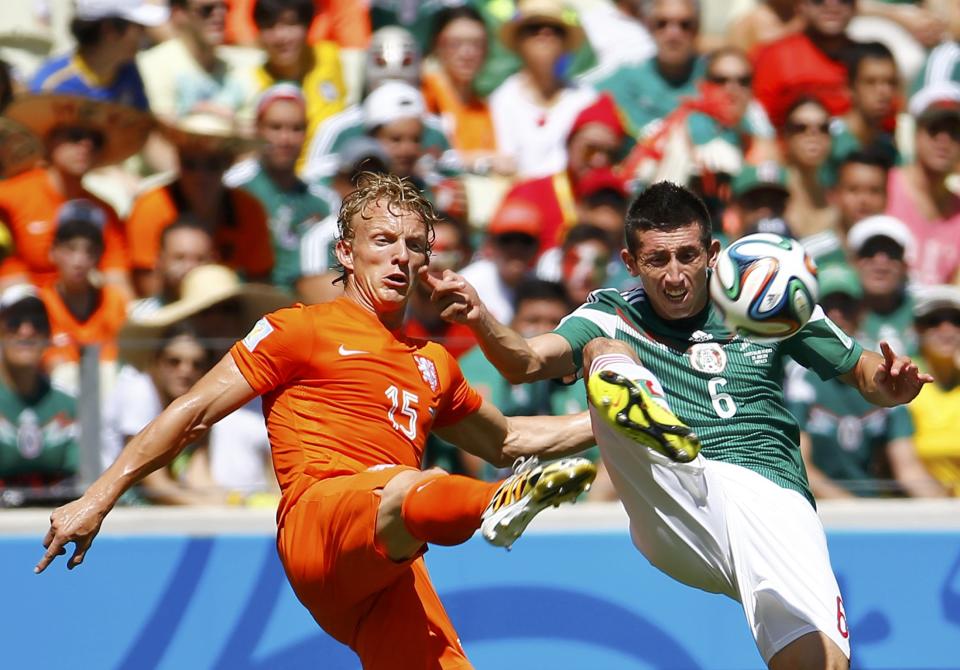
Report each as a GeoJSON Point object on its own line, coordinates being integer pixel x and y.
{"type": "Point", "coordinates": [846, 441]}
{"type": "Point", "coordinates": [38, 423]}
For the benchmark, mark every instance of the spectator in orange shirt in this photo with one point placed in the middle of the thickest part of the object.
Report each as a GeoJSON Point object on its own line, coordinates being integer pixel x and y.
{"type": "Point", "coordinates": [459, 47]}
{"type": "Point", "coordinates": [206, 146]}
{"type": "Point", "coordinates": [81, 313]}
{"type": "Point", "coordinates": [79, 134]}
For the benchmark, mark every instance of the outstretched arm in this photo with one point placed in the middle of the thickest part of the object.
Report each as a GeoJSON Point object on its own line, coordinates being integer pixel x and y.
{"type": "Point", "coordinates": [500, 440]}
{"type": "Point", "coordinates": [887, 379]}
{"type": "Point", "coordinates": [219, 392]}
{"type": "Point", "coordinates": [518, 359]}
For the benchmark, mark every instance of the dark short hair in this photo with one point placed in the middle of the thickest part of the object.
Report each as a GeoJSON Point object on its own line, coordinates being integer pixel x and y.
{"type": "Point", "coordinates": [268, 12]}
{"type": "Point", "coordinates": [666, 206]}
{"type": "Point", "coordinates": [584, 232]}
{"type": "Point", "coordinates": [89, 33]}
{"type": "Point", "coordinates": [539, 289]}
{"type": "Point", "coordinates": [869, 155]}
{"type": "Point", "coordinates": [864, 51]}
{"type": "Point", "coordinates": [448, 15]}
{"type": "Point", "coordinates": [75, 228]}
{"type": "Point", "coordinates": [183, 223]}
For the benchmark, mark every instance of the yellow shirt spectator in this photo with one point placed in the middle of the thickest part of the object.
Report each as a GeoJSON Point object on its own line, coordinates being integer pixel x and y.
{"type": "Point", "coordinates": [936, 415]}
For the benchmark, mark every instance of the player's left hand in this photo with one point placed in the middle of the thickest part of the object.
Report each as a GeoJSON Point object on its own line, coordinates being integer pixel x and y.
{"type": "Point", "coordinates": [898, 377]}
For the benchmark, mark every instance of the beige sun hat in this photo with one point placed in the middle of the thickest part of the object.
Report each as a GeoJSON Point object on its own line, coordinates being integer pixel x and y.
{"type": "Point", "coordinates": [20, 149]}
{"type": "Point", "coordinates": [124, 128]}
{"type": "Point", "coordinates": [202, 288]}
{"type": "Point", "coordinates": [542, 11]}
{"type": "Point", "coordinates": [208, 133]}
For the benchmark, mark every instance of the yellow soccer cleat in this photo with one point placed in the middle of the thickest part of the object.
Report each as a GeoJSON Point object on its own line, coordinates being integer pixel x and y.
{"type": "Point", "coordinates": [627, 406]}
{"type": "Point", "coordinates": [532, 488]}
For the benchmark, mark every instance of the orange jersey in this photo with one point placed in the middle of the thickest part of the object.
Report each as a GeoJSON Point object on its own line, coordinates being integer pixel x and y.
{"type": "Point", "coordinates": [340, 388]}
{"type": "Point", "coordinates": [28, 206]}
{"type": "Point", "coordinates": [468, 125]}
{"type": "Point", "coordinates": [67, 334]}
{"type": "Point", "coordinates": [242, 240]}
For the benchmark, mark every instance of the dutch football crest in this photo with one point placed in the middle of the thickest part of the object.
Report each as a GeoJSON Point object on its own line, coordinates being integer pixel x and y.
{"type": "Point", "coordinates": [428, 371]}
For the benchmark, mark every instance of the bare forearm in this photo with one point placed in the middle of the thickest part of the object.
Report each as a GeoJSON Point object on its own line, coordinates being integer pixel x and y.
{"type": "Point", "coordinates": [154, 447]}
{"type": "Point", "coordinates": [509, 352]}
{"type": "Point", "coordinates": [547, 436]}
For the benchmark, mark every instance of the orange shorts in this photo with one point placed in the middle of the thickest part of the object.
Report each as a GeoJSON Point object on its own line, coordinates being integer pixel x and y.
{"type": "Point", "coordinates": [387, 612]}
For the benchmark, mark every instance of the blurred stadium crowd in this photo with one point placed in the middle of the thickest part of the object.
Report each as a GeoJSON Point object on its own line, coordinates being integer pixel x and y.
{"type": "Point", "coordinates": [171, 170]}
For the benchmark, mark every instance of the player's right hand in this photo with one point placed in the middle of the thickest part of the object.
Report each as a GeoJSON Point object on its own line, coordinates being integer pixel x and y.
{"type": "Point", "coordinates": [77, 522]}
{"type": "Point", "coordinates": [456, 299]}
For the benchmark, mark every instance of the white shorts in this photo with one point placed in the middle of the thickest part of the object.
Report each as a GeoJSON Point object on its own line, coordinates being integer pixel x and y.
{"type": "Point", "coordinates": [726, 529]}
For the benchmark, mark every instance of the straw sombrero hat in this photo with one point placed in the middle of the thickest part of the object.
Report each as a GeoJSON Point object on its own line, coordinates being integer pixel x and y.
{"type": "Point", "coordinates": [208, 133]}
{"type": "Point", "coordinates": [124, 128]}
{"type": "Point", "coordinates": [20, 149]}
{"type": "Point", "coordinates": [542, 11]}
{"type": "Point", "coordinates": [202, 288]}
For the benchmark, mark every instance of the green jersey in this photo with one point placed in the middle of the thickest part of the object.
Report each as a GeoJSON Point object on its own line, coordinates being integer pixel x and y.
{"type": "Point", "coordinates": [846, 431]}
{"type": "Point", "coordinates": [727, 389]}
{"type": "Point", "coordinates": [642, 93]}
{"type": "Point", "coordinates": [38, 436]}
{"type": "Point", "coordinates": [292, 213]}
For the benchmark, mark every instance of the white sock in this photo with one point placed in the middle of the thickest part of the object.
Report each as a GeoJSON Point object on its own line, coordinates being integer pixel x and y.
{"type": "Point", "coordinates": [626, 366]}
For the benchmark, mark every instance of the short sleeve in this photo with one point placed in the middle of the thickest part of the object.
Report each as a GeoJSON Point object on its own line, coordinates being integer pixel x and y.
{"type": "Point", "coordinates": [459, 398]}
{"type": "Point", "coordinates": [276, 349]}
{"type": "Point", "coordinates": [593, 319]}
{"type": "Point", "coordinates": [823, 347]}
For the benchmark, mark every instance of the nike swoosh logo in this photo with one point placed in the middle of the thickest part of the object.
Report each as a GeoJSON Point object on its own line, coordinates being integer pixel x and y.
{"type": "Point", "coordinates": [350, 352]}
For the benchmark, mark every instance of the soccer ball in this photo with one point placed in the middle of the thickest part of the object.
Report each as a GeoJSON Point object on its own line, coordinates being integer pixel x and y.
{"type": "Point", "coordinates": [765, 286]}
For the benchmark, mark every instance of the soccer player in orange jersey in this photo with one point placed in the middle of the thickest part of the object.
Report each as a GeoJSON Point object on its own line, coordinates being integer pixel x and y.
{"type": "Point", "coordinates": [349, 402]}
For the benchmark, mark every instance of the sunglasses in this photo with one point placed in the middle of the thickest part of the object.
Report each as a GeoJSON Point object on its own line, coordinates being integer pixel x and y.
{"type": "Point", "coordinates": [937, 318]}
{"type": "Point", "coordinates": [743, 81]}
{"type": "Point", "coordinates": [818, 3]}
{"type": "Point", "coordinates": [949, 126]}
{"type": "Point", "coordinates": [794, 128]}
{"type": "Point", "coordinates": [205, 164]}
{"type": "Point", "coordinates": [39, 323]}
{"type": "Point", "coordinates": [207, 10]}
{"type": "Point", "coordinates": [535, 28]}
{"type": "Point", "coordinates": [879, 245]}
{"type": "Point", "coordinates": [686, 25]}
{"type": "Point", "coordinates": [78, 134]}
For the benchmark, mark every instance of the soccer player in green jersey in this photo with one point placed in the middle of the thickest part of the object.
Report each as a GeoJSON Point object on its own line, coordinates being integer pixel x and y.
{"type": "Point", "coordinates": [727, 510]}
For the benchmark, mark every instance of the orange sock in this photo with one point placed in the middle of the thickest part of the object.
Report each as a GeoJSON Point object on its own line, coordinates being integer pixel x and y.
{"type": "Point", "coordinates": [447, 508]}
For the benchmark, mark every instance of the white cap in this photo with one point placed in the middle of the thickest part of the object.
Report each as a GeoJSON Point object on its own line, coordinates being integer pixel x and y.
{"type": "Point", "coordinates": [929, 299]}
{"type": "Point", "coordinates": [880, 225]}
{"type": "Point", "coordinates": [391, 101]}
{"type": "Point", "coordinates": [144, 12]}
{"type": "Point", "coordinates": [944, 94]}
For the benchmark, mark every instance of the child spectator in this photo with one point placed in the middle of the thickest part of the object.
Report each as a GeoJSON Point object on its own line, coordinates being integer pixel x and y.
{"type": "Point", "coordinates": [81, 312]}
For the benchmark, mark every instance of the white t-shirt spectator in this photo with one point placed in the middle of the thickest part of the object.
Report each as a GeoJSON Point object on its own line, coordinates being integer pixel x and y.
{"type": "Point", "coordinates": [238, 443]}
{"type": "Point", "coordinates": [535, 136]}
{"type": "Point", "coordinates": [497, 296]}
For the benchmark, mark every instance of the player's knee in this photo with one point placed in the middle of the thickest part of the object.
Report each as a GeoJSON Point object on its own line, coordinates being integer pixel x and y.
{"type": "Point", "coordinates": [600, 346]}
{"type": "Point", "coordinates": [392, 535]}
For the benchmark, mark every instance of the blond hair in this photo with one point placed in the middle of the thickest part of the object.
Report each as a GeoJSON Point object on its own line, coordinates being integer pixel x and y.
{"type": "Point", "coordinates": [400, 195]}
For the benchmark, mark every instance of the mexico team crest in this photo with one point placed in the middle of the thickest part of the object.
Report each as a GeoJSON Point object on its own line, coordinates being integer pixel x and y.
{"type": "Point", "coordinates": [428, 371]}
{"type": "Point", "coordinates": [708, 357]}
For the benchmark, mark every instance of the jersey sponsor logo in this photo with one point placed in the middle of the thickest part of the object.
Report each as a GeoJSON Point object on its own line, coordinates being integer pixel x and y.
{"type": "Point", "coordinates": [343, 351]}
{"type": "Point", "coordinates": [428, 371]}
{"type": "Point", "coordinates": [758, 355]}
{"type": "Point", "coordinates": [708, 357]}
{"type": "Point", "coordinates": [257, 334]}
